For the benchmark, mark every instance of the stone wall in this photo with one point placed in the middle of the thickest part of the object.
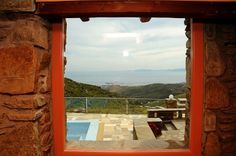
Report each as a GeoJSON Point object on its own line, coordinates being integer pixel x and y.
{"type": "Point", "coordinates": [25, 85]}
{"type": "Point", "coordinates": [219, 128]}
{"type": "Point", "coordinates": [188, 80]}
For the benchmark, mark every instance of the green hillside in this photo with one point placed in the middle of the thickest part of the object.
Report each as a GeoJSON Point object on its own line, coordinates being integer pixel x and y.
{"type": "Point", "coordinates": [157, 90]}
{"type": "Point", "coordinates": [75, 89]}
{"type": "Point", "coordinates": [117, 106]}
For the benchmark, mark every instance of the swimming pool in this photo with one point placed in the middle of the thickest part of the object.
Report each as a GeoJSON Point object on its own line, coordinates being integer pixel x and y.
{"type": "Point", "coordinates": [82, 129]}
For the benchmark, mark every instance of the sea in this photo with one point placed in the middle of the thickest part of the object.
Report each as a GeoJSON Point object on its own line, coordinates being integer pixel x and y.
{"type": "Point", "coordinates": [128, 77]}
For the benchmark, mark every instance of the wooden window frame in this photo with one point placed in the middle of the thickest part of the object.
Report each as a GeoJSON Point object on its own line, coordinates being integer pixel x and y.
{"type": "Point", "coordinates": [197, 87]}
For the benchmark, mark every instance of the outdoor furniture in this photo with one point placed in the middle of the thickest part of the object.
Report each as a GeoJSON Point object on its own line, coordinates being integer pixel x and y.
{"type": "Point", "coordinates": [165, 114]}
{"type": "Point", "coordinates": [181, 102]}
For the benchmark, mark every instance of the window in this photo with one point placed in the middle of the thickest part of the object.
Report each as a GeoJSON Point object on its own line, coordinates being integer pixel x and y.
{"type": "Point", "coordinates": [196, 99]}
{"type": "Point", "coordinates": [119, 73]}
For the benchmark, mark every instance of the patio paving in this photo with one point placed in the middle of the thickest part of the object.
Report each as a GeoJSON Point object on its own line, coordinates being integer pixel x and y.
{"type": "Point", "coordinates": [118, 127]}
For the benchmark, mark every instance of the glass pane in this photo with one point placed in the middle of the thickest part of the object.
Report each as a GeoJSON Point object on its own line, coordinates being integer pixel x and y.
{"type": "Point", "coordinates": [125, 84]}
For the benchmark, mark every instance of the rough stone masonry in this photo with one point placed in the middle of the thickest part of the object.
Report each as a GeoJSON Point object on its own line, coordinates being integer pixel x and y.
{"type": "Point", "coordinates": [25, 85]}
{"type": "Point", "coordinates": [219, 125]}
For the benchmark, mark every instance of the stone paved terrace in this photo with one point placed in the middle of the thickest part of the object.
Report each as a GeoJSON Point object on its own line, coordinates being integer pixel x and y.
{"type": "Point", "coordinates": [117, 129]}
{"type": "Point", "coordinates": [116, 126]}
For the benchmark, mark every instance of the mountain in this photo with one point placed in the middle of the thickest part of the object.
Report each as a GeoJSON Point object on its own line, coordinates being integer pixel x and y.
{"type": "Point", "coordinates": [75, 89]}
{"type": "Point", "coordinates": [157, 90]}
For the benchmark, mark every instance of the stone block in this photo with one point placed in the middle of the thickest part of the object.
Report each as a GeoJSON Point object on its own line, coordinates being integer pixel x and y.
{"type": "Point", "coordinates": [233, 100]}
{"type": "Point", "coordinates": [47, 150]}
{"type": "Point", "coordinates": [46, 138]}
{"type": "Point", "coordinates": [40, 100]}
{"type": "Point", "coordinates": [227, 127]}
{"type": "Point", "coordinates": [229, 147]}
{"type": "Point", "coordinates": [24, 101]}
{"type": "Point", "coordinates": [188, 73]}
{"type": "Point", "coordinates": [228, 136]}
{"type": "Point", "coordinates": [214, 66]}
{"type": "Point", "coordinates": [228, 76]}
{"type": "Point", "coordinates": [43, 81]}
{"type": "Point", "coordinates": [227, 28]}
{"type": "Point", "coordinates": [187, 21]}
{"type": "Point", "coordinates": [17, 5]}
{"type": "Point", "coordinates": [5, 29]}
{"type": "Point", "coordinates": [210, 31]}
{"type": "Point", "coordinates": [32, 30]}
{"type": "Point", "coordinates": [187, 28]}
{"type": "Point", "coordinates": [45, 60]}
{"type": "Point", "coordinates": [188, 52]}
{"type": "Point", "coordinates": [209, 121]}
{"type": "Point", "coordinates": [231, 85]}
{"type": "Point", "coordinates": [17, 69]}
{"type": "Point", "coordinates": [229, 111]}
{"type": "Point", "coordinates": [45, 118]}
{"type": "Point", "coordinates": [23, 141]}
{"type": "Point", "coordinates": [233, 93]}
{"type": "Point", "coordinates": [231, 64]}
{"type": "Point", "coordinates": [227, 38]}
{"type": "Point", "coordinates": [212, 146]}
{"type": "Point", "coordinates": [45, 128]}
{"type": "Point", "coordinates": [227, 117]}
{"type": "Point", "coordinates": [230, 50]}
{"type": "Point", "coordinates": [188, 44]}
{"type": "Point", "coordinates": [17, 102]}
{"type": "Point", "coordinates": [225, 153]}
{"type": "Point", "coordinates": [188, 34]}
{"type": "Point", "coordinates": [217, 95]}
{"type": "Point", "coordinates": [6, 127]}
{"type": "Point", "coordinates": [26, 115]}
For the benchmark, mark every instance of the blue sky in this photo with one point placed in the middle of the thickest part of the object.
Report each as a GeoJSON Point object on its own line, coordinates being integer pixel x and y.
{"type": "Point", "coordinates": [113, 44]}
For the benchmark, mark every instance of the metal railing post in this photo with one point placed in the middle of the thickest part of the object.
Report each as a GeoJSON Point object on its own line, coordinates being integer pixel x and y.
{"type": "Point", "coordinates": [86, 105]}
{"type": "Point", "coordinates": [127, 107]}
{"type": "Point", "coordinates": [70, 103]}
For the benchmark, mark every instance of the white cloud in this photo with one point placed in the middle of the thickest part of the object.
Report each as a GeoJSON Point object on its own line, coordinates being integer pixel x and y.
{"type": "Point", "coordinates": [122, 35]}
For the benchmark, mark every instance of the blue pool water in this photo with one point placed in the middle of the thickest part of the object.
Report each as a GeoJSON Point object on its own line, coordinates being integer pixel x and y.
{"type": "Point", "coordinates": [82, 130]}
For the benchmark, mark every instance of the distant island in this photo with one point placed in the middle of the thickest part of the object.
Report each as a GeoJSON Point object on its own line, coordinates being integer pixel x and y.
{"type": "Point", "coordinates": [135, 77]}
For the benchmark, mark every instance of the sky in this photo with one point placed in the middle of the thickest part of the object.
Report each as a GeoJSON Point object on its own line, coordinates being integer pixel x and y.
{"type": "Point", "coordinates": [115, 44]}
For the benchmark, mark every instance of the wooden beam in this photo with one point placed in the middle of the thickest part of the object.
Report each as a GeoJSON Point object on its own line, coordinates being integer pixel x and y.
{"type": "Point", "coordinates": [137, 8]}
{"type": "Point", "coordinates": [42, 1]}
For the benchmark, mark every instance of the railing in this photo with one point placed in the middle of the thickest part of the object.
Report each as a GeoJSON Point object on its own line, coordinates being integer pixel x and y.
{"type": "Point", "coordinates": [112, 105]}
